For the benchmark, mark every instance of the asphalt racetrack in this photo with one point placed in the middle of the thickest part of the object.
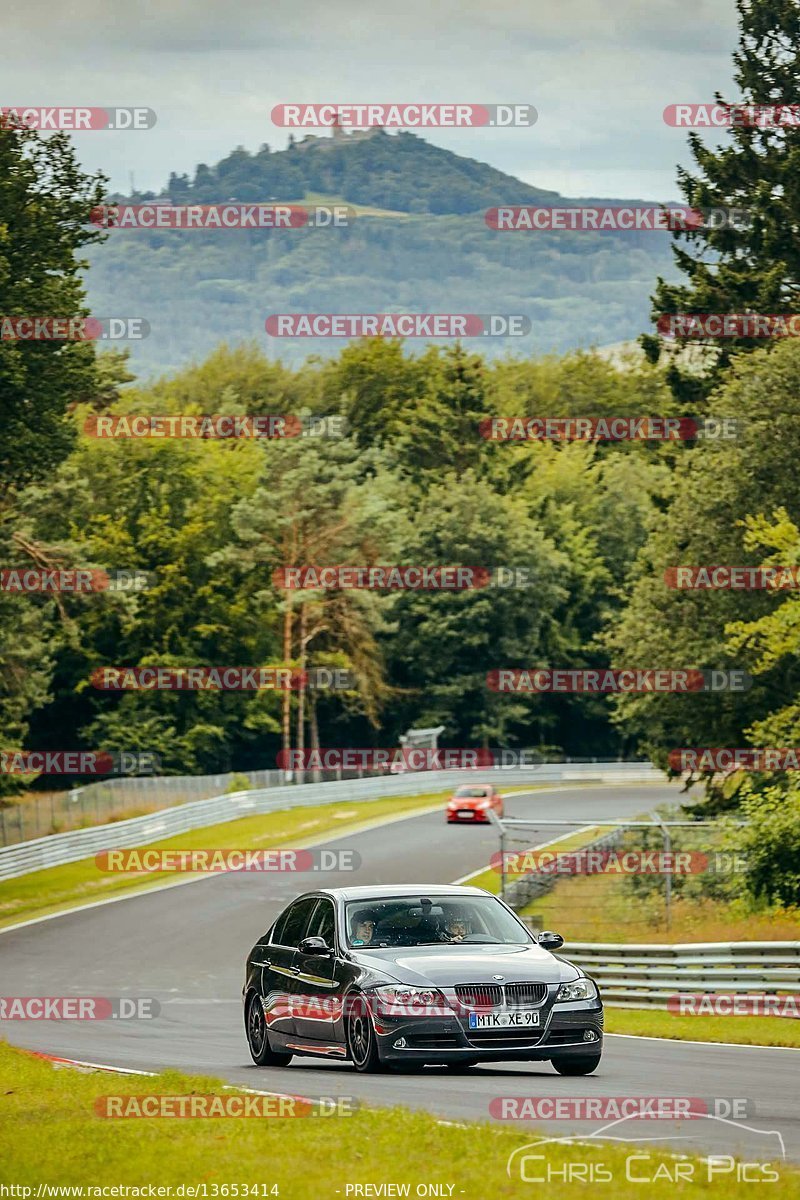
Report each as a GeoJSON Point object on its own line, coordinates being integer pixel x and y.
{"type": "Point", "coordinates": [186, 946]}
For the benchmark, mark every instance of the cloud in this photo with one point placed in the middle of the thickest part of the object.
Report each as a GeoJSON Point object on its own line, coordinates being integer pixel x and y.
{"type": "Point", "coordinates": [599, 73]}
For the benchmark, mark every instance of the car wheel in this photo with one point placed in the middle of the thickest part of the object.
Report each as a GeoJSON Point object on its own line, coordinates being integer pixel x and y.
{"type": "Point", "coordinates": [258, 1039]}
{"type": "Point", "coordinates": [579, 1064]}
{"type": "Point", "coordinates": [362, 1044]}
{"type": "Point", "coordinates": [462, 1066]}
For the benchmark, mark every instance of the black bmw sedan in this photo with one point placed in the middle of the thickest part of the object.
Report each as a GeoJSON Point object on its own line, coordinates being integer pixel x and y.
{"type": "Point", "coordinates": [437, 974]}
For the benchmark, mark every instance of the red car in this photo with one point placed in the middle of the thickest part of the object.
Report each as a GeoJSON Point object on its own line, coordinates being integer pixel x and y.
{"type": "Point", "coordinates": [472, 803]}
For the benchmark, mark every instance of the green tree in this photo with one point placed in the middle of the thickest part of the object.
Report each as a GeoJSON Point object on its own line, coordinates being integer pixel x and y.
{"type": "Point", "coordinates": [751, 265]}
{"type": "Point", "coordinates": [45, 206]}
{"type": "Point", "coordinates": [45, 202]}
{"type": "Point", "coordinates": [712, 491]}
{"type": "Point", "coordinates": [444, 643]}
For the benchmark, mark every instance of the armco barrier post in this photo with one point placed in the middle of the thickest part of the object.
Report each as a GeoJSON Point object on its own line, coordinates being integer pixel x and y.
{"type": "Point", "coordinates": [667, 874]}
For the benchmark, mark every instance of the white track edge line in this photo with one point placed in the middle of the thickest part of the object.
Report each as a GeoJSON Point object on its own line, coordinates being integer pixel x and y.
{"type": "Point", "coordinates": [643, 1037]}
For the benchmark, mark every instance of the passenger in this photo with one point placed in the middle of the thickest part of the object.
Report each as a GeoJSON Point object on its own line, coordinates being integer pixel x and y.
{"type": "Point", "coordinates": [365, 928]}
{"type": "Point", "coordinates": [456, 929]}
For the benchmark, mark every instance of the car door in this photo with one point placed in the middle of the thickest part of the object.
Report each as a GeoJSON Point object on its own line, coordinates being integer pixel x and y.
{"type": "Point", "coordinates": [279, 969]}
{"type": "Point", "coordinates": [317, 988]}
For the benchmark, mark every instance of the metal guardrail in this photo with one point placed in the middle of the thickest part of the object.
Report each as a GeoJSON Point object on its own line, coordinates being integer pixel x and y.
{"type": "Point", "coordinates": [38, 814]}
{"type": "Point", "coordinates": [41, 814]}
{"type": "Point", "coordinates": [647, 974]}
{"type": "Point", "coordinates": [61, 848]}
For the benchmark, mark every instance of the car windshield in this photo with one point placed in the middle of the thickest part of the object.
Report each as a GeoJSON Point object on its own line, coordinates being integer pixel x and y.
{"type": "Point", "coordinates": [431, 920]}
{"type": "Point", "coordinates": [472, 792]}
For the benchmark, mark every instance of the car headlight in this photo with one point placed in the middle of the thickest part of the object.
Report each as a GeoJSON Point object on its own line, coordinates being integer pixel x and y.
{"type": "Point", "coordinates": [396, 1000]}
{"type": "Point", "coordinates": [581, 989]}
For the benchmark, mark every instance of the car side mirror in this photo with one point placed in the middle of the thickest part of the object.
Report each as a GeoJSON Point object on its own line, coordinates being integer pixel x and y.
{"type": "Point", "coordinates": [314, 945]}
{"type": "Point", "coordinates": [547, 940]}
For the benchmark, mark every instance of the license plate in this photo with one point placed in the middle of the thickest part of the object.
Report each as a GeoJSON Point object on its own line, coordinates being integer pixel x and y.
{"type": "Point", "coordinates": [519, 1018]}
{"type": "Point", "coordinates": [466, 814]}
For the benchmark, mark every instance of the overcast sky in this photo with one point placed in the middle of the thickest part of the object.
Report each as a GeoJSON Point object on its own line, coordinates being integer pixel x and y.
{"type": "Point", "coordinates": [600, 73]}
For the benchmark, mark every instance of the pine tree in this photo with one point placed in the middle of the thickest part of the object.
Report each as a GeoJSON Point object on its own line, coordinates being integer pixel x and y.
{"type": "Point", "coordinates": [45, 204]}
{"type": "Point", "coordinates": [753, 266]}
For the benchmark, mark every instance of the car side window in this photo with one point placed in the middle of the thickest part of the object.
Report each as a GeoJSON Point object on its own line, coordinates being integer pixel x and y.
{"type": "Point", "coordinates": [291, 927]}
{"type": "Point", "coordinates": [322, 923]}
{"type": "Point", "coordinates": [277, 929]}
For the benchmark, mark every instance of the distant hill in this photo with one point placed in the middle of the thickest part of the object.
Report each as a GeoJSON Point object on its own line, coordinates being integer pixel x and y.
{"type": "Point", "coordinates": [398, 171]}
{"type": "Point", "coordinates": [197, 288]}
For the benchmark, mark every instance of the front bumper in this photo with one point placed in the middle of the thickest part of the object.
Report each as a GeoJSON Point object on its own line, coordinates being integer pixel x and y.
{"type": "Point", "coordinates": [566, 1030]}
{"type": "Point", "coordinates": [467, 816]}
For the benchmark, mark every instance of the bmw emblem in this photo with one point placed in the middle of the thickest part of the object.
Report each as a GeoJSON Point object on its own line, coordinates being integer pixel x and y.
{"type": "Point", "coordinates": [498, 977]}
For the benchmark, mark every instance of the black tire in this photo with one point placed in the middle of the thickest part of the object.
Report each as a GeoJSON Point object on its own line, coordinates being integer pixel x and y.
{"type": "Point", "coordinates": [465, 1065]}
{"type": "Point", "coordinates": [261, 1052]}
{"type": "Point", "coordinates": [362, 1043]}
{"type": "Point", "coordinates": [578, 1064]}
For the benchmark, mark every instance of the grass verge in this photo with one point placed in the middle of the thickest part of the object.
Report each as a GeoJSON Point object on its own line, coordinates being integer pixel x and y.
{"type": "Point", "coordinates": [605, 908]}
{"type": "Point", "coordinates": [50, 1134]}
{"type": "Point", "coordinates": [745, 1031]}
{"type": "Point", "coordinates": [490, 878]}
